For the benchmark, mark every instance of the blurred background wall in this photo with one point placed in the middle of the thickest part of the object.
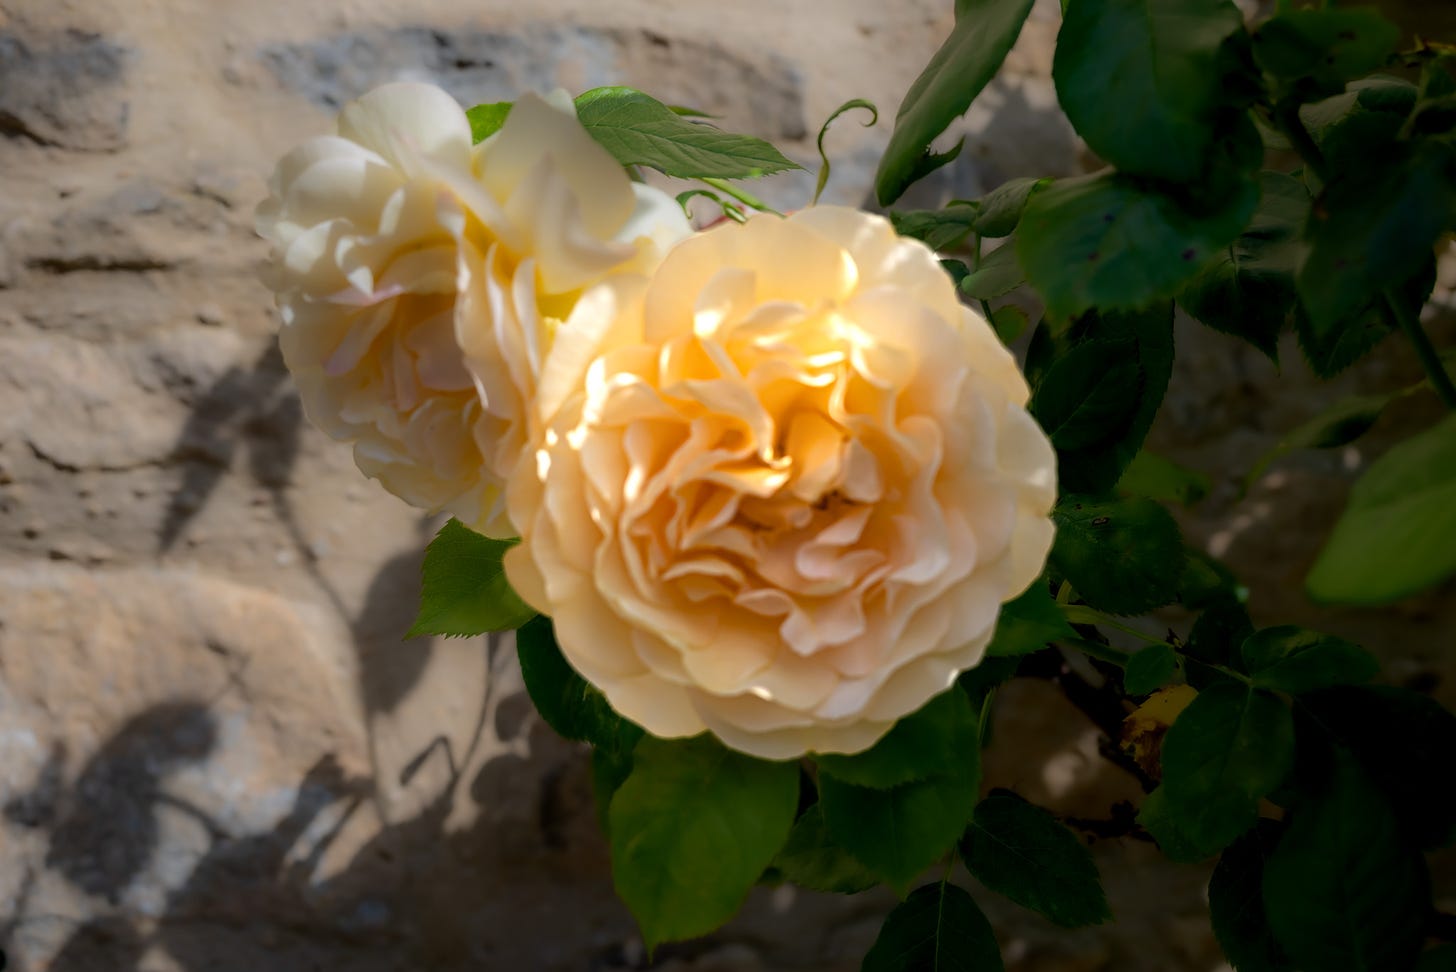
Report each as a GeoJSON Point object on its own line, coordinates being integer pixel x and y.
{"type": "Point", "coordinates": [216, 751]}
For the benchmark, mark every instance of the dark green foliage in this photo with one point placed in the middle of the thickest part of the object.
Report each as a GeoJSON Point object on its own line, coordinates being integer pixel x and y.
{"type": "Point", "coordinates": [996, 275]}
{"type": "Point", "coordinates": [1343, 890]}
{"type": "Point", "coordinates": [1071, 393]}
{"type": "Point", "coordinates": [564, 699]}
{"type": "Point", "coordinates": [1229, 748]}
{"type": "Point", "coordinates": [1000, 209]}
{"type": "Point", "coordinates": [1236, 903]}
{"type": "Point", "coordinates": [1141, 81]}
{"type": "Point", "coordinates": [983, 34]}
{"type": "Point", "coordinates": [1113, 242]}
{"type": "Point", "coordinates": [940, 229]}
{"type": "Point", "coordinates": [1324, 47]}
{"type": "Point", "coordinates": [1247, 290]}
{"type": "Point", "coordinates": [899, 831]}
{"type": "Point", "coordinates": [1290, 659]}
{"type": "Point", "coordinates": [1023, 852]}
{"type": "Point", "coordinates": [1374, 228]}
{"type": "Point", "coordinates": [1405, 742]}
{"type": "Point", "coordinates": [1178, 833]}
{"type": "Point", "coordinates": [810, 859]}
{"type": "Point", "coordinates": [1150, 669]}
{"type": "Point", "coordinates": [1163, 480]}
{"type": "Point", "coordinates": [692, 828]}
{"type": "Point", "coordinates": [1217, 634]}
{"type": "Point", "coordinates": [1121, 556]}
{"type": "Point", "coordinates": [925, 744]}
{"type": "Point", "coordinates": [1028, 623]}
{"type": "Point", "coordinates": [937, 929]}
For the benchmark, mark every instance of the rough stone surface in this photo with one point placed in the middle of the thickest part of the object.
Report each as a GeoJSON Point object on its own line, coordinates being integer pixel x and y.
{"type": "Point", "coordinates": [216, 752]}
{"type": "Point", "coordinates": [64, 89]}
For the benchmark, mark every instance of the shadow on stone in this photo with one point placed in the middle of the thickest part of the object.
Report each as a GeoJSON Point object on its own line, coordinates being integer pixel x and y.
{"type": "Point", "coordinates": [107, 830]}
{"type": "Point", "coordinates": [245, 406]}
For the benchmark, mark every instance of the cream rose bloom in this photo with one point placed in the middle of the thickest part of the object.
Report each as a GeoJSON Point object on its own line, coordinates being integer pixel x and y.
{"type": "Point", "coordinates": [420, 280]}
{"type": "Point", "coordinates": [782, 488]}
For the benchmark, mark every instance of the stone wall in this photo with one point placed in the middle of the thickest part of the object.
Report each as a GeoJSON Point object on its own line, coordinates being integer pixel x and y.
{"type": "Point", "coordinates": [216, 752]}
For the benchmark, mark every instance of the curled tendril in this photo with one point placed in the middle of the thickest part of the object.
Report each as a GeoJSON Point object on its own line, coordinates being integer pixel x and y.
{"type": "Point", "coordinates": [729, 210]}
{"type": "Point", "coordinates": [849, 105]}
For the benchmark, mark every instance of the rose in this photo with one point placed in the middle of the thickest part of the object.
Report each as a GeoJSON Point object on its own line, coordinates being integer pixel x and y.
{"type": "Point", "coordinates": [780, 490]}
{"type": "Point", "coordinates": [420, 280]}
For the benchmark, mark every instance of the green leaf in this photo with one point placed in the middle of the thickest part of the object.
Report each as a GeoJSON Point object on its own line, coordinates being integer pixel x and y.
{"type": "Point", "coordinates": [1174, 832]}
{"type": "Point", "coordinates": [1022, 851]}
{"type": "Point", "coordinates": [1326, 119]}
{"type": "Point", "coordinates": [1141, 80]}
{"type": "Point", "coordinates": [1088, 396]}
{"type": "Point", "coordinates": [1326, 46]}
{"type": "Point", "coordinates": [1398, 534]}
{"type": "Point", "coordinates": [609, 770]}
{"type": "Point", "coordinates": [1342, 890]}
{"type": "Point", "coordinates": [640, 130]}
{"type": "Point", "coordinates": [898, 833]}
{"type": "Point", "coordinates": [465, 591]}
{"type": "Point", "coordinates": [984, 32]}
{"type": "Point", "coordinates": [1219, 631]}
{"type": "Point", "coordinates": [1205, 581]}
{"type": "Point", "coordinates": [1290, 659]}
{"type": "Point", "coordinates": [1375, 228]}
{"type": "Point", "coordinates": [1150, 669]}
{"type": "Point", "coordinates": [811, 860]}
{"type": "Point", "coordinates": [997, 275]}
{"type": "Point", "coordinates": [692, 828]}
{"type": "Point", "coordinates": [1028, 623]}
{"type": "Point", "coordinates": [938, 739]}
{"type": "Point", "coordinates": [1146, 338]}
{"type": "Point", "coordinates": [1338, 425]}
{"type": "Point", "coordinates": [1122, 556]}
{"type": "Point", "coordinates": [1236, 904]}
{"type": "Point", "coordinates": [1109, 241]}
{"type": "Point", "coordinates": [1223, 753]}
{"type": "Point", "coordinates": [486, 120]}
{"type": "Point", "coordinates": [1248, 289]}
{"type": "Point", "coordinates": [937, 929]}
{"type": "Point", "coordinates": [1001, 208]}
{"type": "Point", "coordinates": [939, 229]}
{"type": "Point", "coordinates": [1009, 322]}
{"type": "Point", "coordinates": [1162, 479]}
{"type": "Point", "coordinates": [564, 699]}
{"type": "Point", "coordinates": [1404, 741]}
{"type": "Point", "coordinates": [991, 673]}
{"type": "Point", "coordinates": [1333, 349]}
{"type": "Point", "coordinates": [823, 178]}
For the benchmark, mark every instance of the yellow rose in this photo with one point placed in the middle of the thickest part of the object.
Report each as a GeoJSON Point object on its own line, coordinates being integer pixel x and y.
{"type": "Point", "coordinates": [419, 280]}
{"type": "Point", "coordinates": [782, 488]}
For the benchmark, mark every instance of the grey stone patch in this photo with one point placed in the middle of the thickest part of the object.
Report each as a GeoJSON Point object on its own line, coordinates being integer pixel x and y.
{"type": "Point", "coordinates": [133, 228]}
{"type": "Point", "coordinates": [478, 66]}
{"type": "Point", "coordinates": [64, 90]}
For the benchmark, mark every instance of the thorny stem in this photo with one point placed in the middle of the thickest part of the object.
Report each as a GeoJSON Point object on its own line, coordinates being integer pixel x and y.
{"type": "Point", "coordinates": [747, 198]}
